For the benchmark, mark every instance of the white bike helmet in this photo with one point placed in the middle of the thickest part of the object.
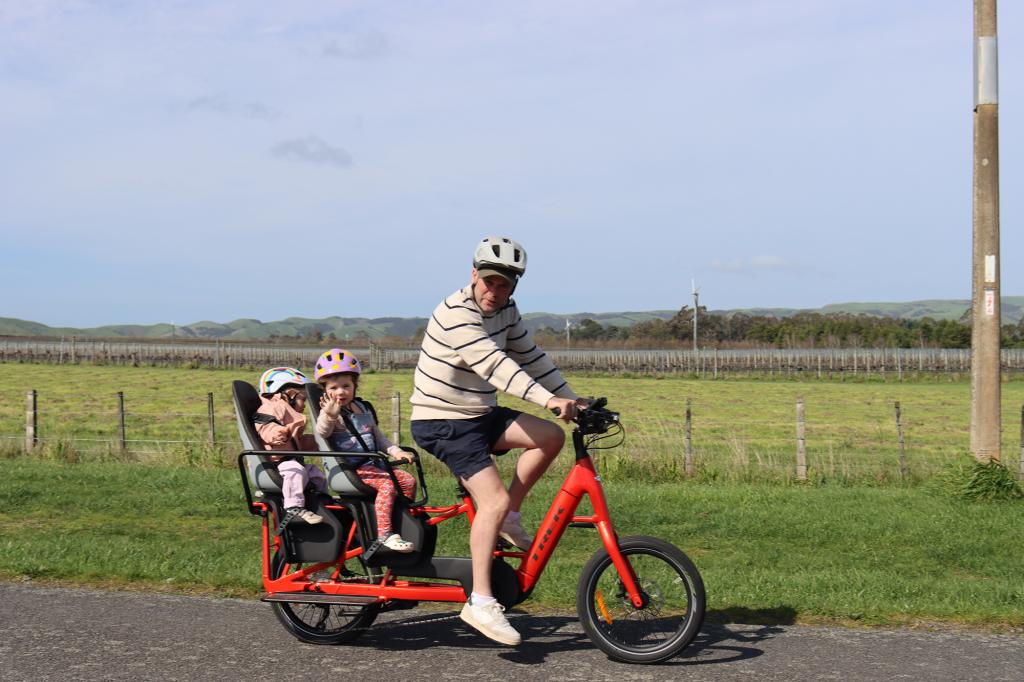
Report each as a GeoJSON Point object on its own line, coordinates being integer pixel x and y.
{"type": "Point", "coordinates": [500, 256]}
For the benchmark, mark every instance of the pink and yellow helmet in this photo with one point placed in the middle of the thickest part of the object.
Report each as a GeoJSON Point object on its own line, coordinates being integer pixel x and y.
{"type": "Point", "coordinates": [336, 361]}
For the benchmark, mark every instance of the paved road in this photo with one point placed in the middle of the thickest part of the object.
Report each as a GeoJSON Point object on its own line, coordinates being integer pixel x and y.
{"type": "Point", "coordinates": [58, 634]}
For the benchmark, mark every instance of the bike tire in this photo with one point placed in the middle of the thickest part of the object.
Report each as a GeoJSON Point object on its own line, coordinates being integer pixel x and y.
{"type": "Point", "coordinates": [674, 596]}
{"type": "Point", "coordinates": [324, 623]}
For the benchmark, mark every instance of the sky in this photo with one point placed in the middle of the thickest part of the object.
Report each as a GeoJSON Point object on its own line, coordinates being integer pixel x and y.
{"type": "Point", "coordinates": [181, 161]}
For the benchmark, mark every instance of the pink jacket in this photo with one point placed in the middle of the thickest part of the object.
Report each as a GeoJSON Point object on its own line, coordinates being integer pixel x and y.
{"type": "Point", "coordinates": [286, 435]}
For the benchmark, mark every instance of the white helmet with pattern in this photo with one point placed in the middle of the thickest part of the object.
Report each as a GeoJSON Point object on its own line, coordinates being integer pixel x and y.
{"type": "Point", "coordinates": [500, 256]}
{"type": "Point", "coordinates": [277, 379]}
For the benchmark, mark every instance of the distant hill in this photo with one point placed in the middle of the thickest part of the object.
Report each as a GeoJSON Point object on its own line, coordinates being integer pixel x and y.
{"type": "Point", "coordinates": [349, 327]}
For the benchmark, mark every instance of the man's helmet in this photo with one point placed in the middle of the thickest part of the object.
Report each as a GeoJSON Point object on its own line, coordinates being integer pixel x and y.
{"type": "Point", "coordinates": [500, 256]}
{"type": "Point", "coordinates": [279, 378]}
{"type": "Point", "coordinates": [336, 361]}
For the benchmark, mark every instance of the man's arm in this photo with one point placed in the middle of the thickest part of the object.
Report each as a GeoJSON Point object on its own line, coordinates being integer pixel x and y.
{"type": "Point", "coordinates": [535, 361]}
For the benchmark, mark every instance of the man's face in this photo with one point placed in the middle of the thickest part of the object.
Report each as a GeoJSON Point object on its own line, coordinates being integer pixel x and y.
{"type": "Point", "coordinates": [491, 293]}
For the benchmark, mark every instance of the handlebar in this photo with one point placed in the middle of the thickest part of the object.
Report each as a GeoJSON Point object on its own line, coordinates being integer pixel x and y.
{"type": "Point", "coordinates": [594, 418]}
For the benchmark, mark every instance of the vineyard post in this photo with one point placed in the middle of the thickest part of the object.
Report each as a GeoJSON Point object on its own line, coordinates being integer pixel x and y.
{"type": "Point", "coordinates": [689, 439]}
{"type": "Point", "coordinates": [801, 452]}
{"type": "Point", "coordinates": [120, 413]}
{"type": "Point", "coordinates": [903, 452]}
{"type": "Point", "coordinates": [396, 417]}
{"type": "Point", "coordinates": [209, 415]}
{"type": "Point", "coordinates": [31, 416]}
{"type": "Point", "coordinates": [1021, 467]}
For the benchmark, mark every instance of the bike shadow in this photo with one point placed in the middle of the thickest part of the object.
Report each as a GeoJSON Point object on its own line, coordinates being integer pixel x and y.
{"type": "Point", "coordinates": [545, 636]}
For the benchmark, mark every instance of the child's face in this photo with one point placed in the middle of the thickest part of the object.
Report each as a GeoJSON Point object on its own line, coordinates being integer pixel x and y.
{"type": "Point", "coordinates": [340, 387]}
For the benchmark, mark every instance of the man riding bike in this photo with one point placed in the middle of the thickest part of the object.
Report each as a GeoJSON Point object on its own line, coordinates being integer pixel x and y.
{"type": "Point", "coordinates": [475, 345]}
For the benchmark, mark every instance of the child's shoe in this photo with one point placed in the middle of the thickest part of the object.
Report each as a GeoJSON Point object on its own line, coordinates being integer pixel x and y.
{"type": "Point", "coordinates": [309, 517]}
{"type": "Point", "coordinates": [395, 543]}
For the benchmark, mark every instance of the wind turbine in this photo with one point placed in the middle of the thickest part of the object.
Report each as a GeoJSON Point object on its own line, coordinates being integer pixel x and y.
{"type": "Point", "coordinates": [696, 297]}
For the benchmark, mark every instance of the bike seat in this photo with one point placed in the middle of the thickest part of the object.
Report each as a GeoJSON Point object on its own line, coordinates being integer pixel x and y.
{"type": "Point", "coordinates": [262, 472]}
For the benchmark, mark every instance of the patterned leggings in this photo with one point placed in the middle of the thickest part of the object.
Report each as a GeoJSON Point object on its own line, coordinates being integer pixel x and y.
{"type": "Point", "coordinates": [379, 479]}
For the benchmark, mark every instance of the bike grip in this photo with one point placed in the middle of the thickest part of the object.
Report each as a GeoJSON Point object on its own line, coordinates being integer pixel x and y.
{"type": "Point", "coordinates": [557, 411]}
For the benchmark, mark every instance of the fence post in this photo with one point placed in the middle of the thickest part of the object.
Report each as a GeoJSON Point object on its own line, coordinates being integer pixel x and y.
{"type": "Point", "coordinates": [903, 453]}
{"type": "Point", "coordinates": [120, 412]}
{"type": "Point", "coordinates": [689, 439]}
{"type": "Point", "coordinates": [396, 418]}
{"type": "Point", "coordinates": [31, 434]}
{"type": "Point", "coordinates": [801, 451]}
{"type": "Point", "coordinates": [209, 415]}
{"type": "Point", "coordinates": [1021, 476]}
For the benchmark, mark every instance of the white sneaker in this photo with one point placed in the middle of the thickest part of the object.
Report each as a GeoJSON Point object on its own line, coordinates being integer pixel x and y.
{"type": "Point", "coordinates": [395, 542]}
{"type": "Point", "coordinates": [304, 515]}
{"type": "Point", "coordinates": [489, 620]}
{"type": "Point", "coordinates": [513, 533]}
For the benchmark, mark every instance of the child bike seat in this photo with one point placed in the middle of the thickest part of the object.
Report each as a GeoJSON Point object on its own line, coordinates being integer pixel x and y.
{"type": "Point", "coordinates": [262, 472]}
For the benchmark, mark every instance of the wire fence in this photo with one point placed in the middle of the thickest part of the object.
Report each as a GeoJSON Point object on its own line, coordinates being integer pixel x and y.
{"type": "Point", "coordinates": [893, 444]}
{"type": "Point", "coordinates": [826, 363]}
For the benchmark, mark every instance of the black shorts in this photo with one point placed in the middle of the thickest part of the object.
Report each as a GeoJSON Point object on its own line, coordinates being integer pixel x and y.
{"type": "Point", "coordinates": [464, 445]}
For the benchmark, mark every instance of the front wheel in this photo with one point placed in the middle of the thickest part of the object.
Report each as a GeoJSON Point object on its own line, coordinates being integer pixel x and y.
{"type": "Point", "coordinates": [673, 595]}
{"type": "Point", "coordinates": [325, 623]}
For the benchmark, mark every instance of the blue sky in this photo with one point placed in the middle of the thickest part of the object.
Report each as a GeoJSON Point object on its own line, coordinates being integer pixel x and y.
{"type": "Point", "coordinates": [186, 161]}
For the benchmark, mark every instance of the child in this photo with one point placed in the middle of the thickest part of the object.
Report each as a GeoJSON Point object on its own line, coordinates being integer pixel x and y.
{"type": "Point", "coordinates": [280, 423]}
{"type": "Point", "coordinates": [340, 411]}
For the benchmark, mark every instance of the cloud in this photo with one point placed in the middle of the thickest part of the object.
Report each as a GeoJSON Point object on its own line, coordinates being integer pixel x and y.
{"type": "Point", "coordinates": [753, 264]}
{"type": "Point", "coordinates": [360, 46]}
{"type": "Point", "coordinates": [222, 105]}
{"type": "Point", "coordinates": [312, 149]}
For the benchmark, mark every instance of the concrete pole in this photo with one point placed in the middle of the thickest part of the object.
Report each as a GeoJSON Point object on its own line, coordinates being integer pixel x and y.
{"type": "Point", "coordinates": [985, 299]}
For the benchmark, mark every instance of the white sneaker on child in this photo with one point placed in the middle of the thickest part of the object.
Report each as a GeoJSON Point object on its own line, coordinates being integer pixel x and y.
{"type": "Point", "coordinates": [395, 542]}
{"type": "Point", "coordinates": [489, 620]}
{"type": "Point", "coordinates": [304, 515]}
{"type": "Point", "coordinates": [512, 532]}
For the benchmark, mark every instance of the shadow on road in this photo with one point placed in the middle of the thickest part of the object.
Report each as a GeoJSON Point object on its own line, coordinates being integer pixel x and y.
{"type": "Point", "coordinates": [546, 636]}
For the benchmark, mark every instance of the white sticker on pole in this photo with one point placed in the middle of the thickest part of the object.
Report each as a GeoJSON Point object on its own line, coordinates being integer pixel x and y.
{"type": "Point", "coordinates": [990, 301]}
{"type": "Point", "coordinates": [990, 269]}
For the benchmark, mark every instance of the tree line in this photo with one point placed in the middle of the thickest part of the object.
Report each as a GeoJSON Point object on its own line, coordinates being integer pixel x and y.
{"type": "Point", "coordinates": [803, 330]}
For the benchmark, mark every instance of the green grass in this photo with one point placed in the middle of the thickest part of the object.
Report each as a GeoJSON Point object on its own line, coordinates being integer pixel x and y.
{"type": "Point", "coordinates": [767, 553]}
{"type": "Point", "coordinates": [743, 430]}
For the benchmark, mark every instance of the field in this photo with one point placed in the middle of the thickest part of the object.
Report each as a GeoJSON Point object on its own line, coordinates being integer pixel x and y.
{"type": "Point", "coordinates": [856, 544]}
{"type": "Point", "coordinates": [742, 430]}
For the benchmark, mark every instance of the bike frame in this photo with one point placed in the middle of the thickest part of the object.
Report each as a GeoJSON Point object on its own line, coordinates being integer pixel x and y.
{"type": "Point", "coordinates": [582, 479]}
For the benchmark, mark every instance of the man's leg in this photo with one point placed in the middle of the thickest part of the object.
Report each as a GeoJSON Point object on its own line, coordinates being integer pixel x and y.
{"type": "Point", "coordinates": [491, 501]}
{"type": "Point", "coordinates": [542, 441]}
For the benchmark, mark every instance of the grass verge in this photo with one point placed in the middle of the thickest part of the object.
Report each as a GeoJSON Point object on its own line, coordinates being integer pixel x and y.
{"type": "Point", "coordinates": [768, 554]}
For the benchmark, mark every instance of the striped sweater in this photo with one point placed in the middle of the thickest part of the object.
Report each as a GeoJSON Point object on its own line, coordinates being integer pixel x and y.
{"type": "Point", "coordinates": [467, 357]}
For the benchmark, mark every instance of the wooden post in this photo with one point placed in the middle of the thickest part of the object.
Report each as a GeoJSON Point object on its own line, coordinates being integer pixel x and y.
{"type": "Point", "coordinates": [903, 453]}
{"type": "Point", "coordinates": [689, 439]}
{"type": "Point", "coordinates": [1021, 467]}
{"type": "Point", "coordinates": [801, 444]}
{"type": "Point", "coordinates": [31, 416]}
{"type": "Point", "coordinates": [396, 418]}
{"type": "Point", "coordinates": [120, 412]}
{"type": "Point", "coordinates": [209, 415]}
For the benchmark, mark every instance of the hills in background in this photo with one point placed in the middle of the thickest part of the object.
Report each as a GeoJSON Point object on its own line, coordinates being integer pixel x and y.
{"type": "Point", "coordinates": [350, 327]}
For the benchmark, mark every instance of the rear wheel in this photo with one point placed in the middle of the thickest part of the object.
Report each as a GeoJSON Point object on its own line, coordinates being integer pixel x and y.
{"type": "Point", "coordinates": [326, 623]}
{"type": "Point", "coordinates": [673, 608]}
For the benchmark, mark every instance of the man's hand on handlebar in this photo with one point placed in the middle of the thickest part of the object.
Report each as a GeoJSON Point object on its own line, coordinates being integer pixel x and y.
{"type": "Point", "coordinates": [566, 409]}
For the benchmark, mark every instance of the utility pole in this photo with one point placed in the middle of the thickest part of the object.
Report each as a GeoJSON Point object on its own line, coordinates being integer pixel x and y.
{"type": "Point", "coordinates": [696, 297]}
{"type": "Point", "coordinates": [985, 293]}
